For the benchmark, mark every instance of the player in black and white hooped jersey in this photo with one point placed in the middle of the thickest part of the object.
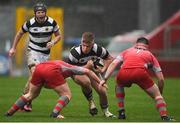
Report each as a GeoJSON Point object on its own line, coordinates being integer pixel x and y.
{"type": "Point", "coordinates": [88, 54]}
{"type": "Point", "coordinates": [40, 34]}
{"type": "Point", "coordinates": [40, 29]}
{"type": "Point", "coordinates": [78, 57]}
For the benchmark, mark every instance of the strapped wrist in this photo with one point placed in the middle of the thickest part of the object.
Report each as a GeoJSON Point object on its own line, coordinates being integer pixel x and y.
{"type": "Point", "coordinates": [53, 42]}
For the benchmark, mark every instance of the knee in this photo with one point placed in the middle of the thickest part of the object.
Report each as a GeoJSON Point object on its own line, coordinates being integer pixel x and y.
{"type": "Point", "coordinates": [83, 81]}
{"type": "Point", "coordinates": [28, 96]}
{"type": "Point", "coordinates": [101, 91]}
{"type": "Point", "coordinates": [87, 84]}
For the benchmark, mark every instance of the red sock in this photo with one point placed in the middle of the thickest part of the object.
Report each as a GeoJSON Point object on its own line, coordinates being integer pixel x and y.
{"type": "Point", "coordinates": [161, 106]}
{"type": "Point", "coordinates": [62, 102]}
{"type": "Point", "coordinates": [120, 96]}
{"type": "Point", "coordinates": [17, 105]}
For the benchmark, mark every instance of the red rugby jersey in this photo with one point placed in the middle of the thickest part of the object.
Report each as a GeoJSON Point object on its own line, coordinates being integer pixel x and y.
{"type": "Point", "coordinates": [139, 58]}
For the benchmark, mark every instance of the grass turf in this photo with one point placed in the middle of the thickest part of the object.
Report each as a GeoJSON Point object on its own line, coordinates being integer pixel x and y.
{"type": "Point", "coordinates": [139, 107]}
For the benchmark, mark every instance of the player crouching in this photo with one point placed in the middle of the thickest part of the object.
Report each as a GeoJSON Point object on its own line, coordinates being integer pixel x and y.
{"type": "Point", "coordinates": [52, 75]}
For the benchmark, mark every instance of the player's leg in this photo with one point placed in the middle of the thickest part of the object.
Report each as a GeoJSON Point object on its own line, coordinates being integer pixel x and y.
{"type": "Point", "coordinates": [22, 100]}
{"type": "Point", "coordinates": [122, 80]}
{"type": "Point", "coordinates": [102, 92]}
{"type": "Point", "coordinates": [32, 60]}
{"type": "Point", "coordinates": [85, 84]}
{"type": "Point", "coordinates": [28, 106]}
{"type": "Point", "coordinates": [147, 84]}
{"type": "Point", "coordinates": [160, 103]}
{"type": "Point", "coordinates": [64, 97]}
{"type": "Point", "coordinates": [120, 95]}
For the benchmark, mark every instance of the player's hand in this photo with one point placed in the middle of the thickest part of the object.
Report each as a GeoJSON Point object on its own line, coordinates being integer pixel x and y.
{"type": "Point", "coordinates": [103, 84]}
{"type": "Point", "coordinates": [98, 70]}
{"type": "Point", "coordinates": [50, 44]}
{"type": "Point", "coordinates": [12, 51]}
{"type": "Point", "coordinates": [89, 64]}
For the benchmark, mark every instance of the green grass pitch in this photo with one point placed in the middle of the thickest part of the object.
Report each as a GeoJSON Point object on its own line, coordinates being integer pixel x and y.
{"type": "Point", "coordinates": [139, 107]}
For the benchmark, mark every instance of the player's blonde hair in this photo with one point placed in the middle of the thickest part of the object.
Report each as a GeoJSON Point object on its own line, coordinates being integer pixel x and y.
{"type": "Point", "coordinates": [88, 37]}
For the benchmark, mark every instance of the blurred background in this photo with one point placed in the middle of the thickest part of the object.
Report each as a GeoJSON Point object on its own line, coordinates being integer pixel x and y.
{"type": "Point", "coordinates": [115, 23]}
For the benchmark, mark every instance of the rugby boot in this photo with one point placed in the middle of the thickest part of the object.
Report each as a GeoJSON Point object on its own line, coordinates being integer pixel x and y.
{"type": "Point", "coordinates": [7, 114]}
{"type": "Point", "coordinates": [167, 119]}
{"type": "Point", "coordinates": [109, 114]}
{"type": "Point", "coordinates": [121, 114]}
{"type": "Point", "coordinates": [28, 107]}
{"type": "Point", "coordinates": [92, 108]}
{"type": "Point", "coordinates": [59, 116]}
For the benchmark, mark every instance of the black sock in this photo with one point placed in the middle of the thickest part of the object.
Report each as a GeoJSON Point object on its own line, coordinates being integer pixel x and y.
{"type": "Point", "coordinates": [104, 106]}
{"type": "Point", "coordinates": [87, 95]}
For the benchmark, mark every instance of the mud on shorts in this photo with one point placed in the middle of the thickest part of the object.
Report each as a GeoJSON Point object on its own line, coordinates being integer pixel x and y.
{"type": "Point", "coordinates": [34, 57]}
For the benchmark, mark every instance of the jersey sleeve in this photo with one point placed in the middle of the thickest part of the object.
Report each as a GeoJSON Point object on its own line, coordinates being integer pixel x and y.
{"type": "Point", "coordinates": [25, 26]}
{"type": "Point", "coordinates": [156, 67]}
{"type": "Point", "coordinates": [102, 52]}
{"type": "Point", "coordinates": [72, 69]}
{"type": "Point", "coordinates": [77, 70]}
{"type": "Point", "coordinates": [56, 26]}
{"type": "Point", "coordinates": [73, 57]}
{"type": "Point", "coordinates": [121, 55]}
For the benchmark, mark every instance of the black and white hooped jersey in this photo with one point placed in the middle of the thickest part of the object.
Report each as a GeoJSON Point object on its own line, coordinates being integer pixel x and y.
{"type": "Point", "coordinates": [40, 34]}
{"type": "Point", "coordinates": [77, 57]}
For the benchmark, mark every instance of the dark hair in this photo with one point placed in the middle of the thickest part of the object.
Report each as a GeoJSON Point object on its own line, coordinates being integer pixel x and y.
{"type": "Point", "coordinates": [143, 40]}
{"type": "Point", "coordinates": [40, 7]}
{"type": "Point", "coordinates": [88, 37]}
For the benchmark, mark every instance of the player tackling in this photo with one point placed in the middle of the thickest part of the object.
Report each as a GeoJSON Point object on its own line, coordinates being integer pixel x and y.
{"type": "Point", "coordinates": [52, 75]}
{"type": "Point", "coordinates": [135, 63]}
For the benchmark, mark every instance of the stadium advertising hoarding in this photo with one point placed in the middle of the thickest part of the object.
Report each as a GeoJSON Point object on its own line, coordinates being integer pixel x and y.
{"type": "Point", "coordinates": [4, 65]}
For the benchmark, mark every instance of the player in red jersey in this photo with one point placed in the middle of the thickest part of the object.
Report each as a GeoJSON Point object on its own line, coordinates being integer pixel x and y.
{"type": "Point", "coordinates": [52, 75]}
{"type": "Point", "coordinates": [135, 63]}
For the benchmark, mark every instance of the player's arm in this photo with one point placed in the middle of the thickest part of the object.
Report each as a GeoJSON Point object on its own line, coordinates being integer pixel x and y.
{"type": "Point", "coordinates": [17, 38]}
{"type": "Point", "coordinates": [57, 35]}
{"type": "Point", "coordinates": [77, 70]}
{"type": "Point", "coordinates": [107, 62]}
{"type": "Point", "coordinates": [158, 72]}
{"type": "Point", "coordinates": [112, 67]}
{"type": "Point", "coordinates": [160, 77]}
{"type": "Point", "coordinates": [55, 40]}
{"type": "Point", "coordinates": [92, 75]}
{"type": "Point", "coordinates": [107, 59]}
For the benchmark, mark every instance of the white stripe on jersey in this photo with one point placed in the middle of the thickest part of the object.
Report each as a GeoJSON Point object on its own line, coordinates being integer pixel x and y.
{"type": "Point", "coordinates": [32, 20]}
{"type": "Point", "coordinates": [78, 49]}
{"type": "Point", "coordinates": [39, 40]}
{"type": "Point", "coordinates": [103, 52]}
{"type": "Point", "coordinates": [25, 27]}
{"type": "Point", "coordinates": [95, 48]}
{"type": "Point", "coordinates": [41, 29]}
{"type": "Point", "coordinates": [56, 28]}
{"type": "Point", "coordinates": [50, 20]}
{"type": "Point", "coordinates": [156, 69]}
{"type": "Point", "coordinates": [72, 58]}
{"type": "Point", "coordinates": [75, 70]}
{"type": "Point", "coordinates": [37, 47]}
{"type": "Point", "coordinates": [119, 57]}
